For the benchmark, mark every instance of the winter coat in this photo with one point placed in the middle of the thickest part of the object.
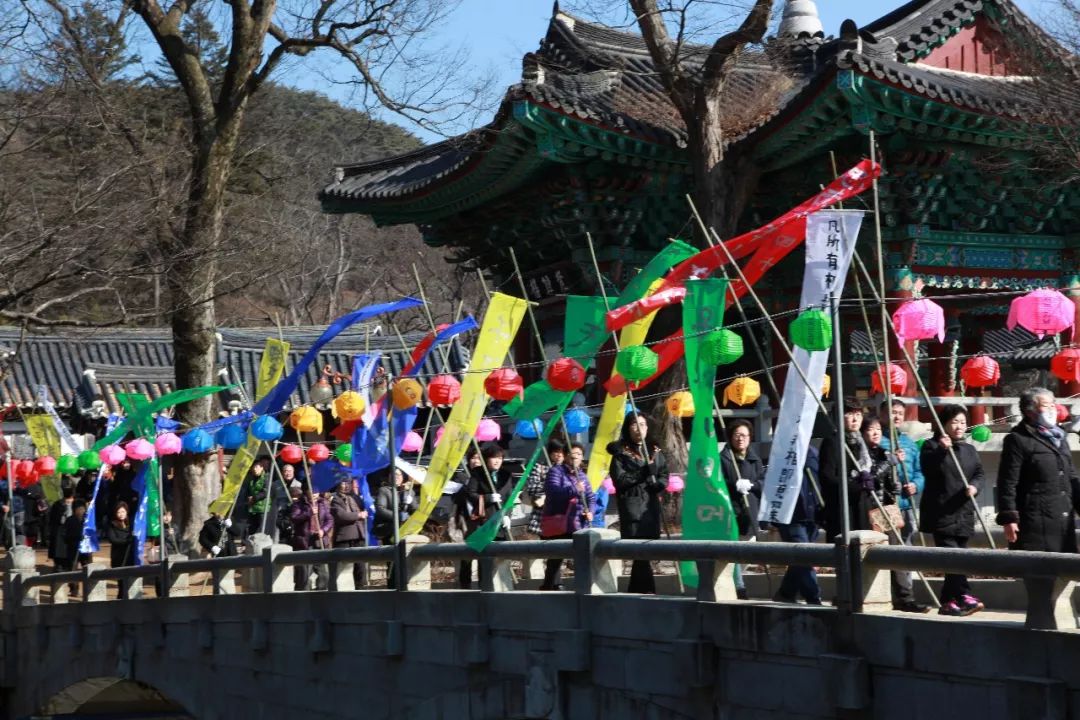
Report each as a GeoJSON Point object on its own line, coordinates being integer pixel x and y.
{"type": "Point", "coordinates": [1039, 489]}
{"type": "Point", "coordinates": [808, 507]}
{"type": "Point", "coordinates": [534, 488]}
{"type": "Point", "coordinates": [36, 509]}
{"type": "Point", "coordinates": [561, 496]}
{"type": "Point", "coordinates": [911, 470]}
{"type": "Point", "coordinates": [348, 526]}
{"type": "Point", "coordinates": [638, 485]}
{"type": "Point", "coordinates": [58, 515]}
{"type": "Point", "coordinates": [122, 545]}
{"type": "Point", "coordinates": [213, 533]}
{"type": "Point", "coordinates": [945, 507]}
{"type": "Point", "coordinates": [829, 477]}
{"type": "Point", "coordinates": [747, 468]}
{"type": "Point", "coordinates": [478, 488]}
{"type": "Point", "coordinates": [384, 510]}
{"type": "Point", "coordinates": [258, 493]}
{"type": "Point", "coordinates": [72, 537]}
{"type": "Point", "coordinates": [304, 537]}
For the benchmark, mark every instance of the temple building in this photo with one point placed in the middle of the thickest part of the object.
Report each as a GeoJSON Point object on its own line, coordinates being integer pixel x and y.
{"type": "Point", "coordinates": [968, 100]}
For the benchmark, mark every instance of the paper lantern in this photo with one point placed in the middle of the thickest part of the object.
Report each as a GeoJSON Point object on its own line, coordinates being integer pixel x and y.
{"type": "Point", "coordinates": [504, 384]}
{"type": "Point", "coordinates": [1042, 312]}
{"type": "Point", "coordinates": [47, 465]}
{"type": "Point", "coordinates": [920, 319]}
{"type": "Point", "coordinates": [266, 428]}
{"type": "Point", "coordinates": [231, 437]}
{"type": "Point", "coordinates": [413, 442]}
{"type": "Point", "coordinates": [1066, 365]}
{"type": "Point", "coordinates": [609, 485]}
{"type": "Point", "coordinates": [139, 449]}
{"type": "Point", "coordinates": [168, 444]}
{"type": "Point", "coordinates": [637, 363]}
{"type": "Point", "coordinates": [488, 430]}
{"type": "Point", "coordinates": [897, 380]}
{"type": "Point", "coordinates": [349, 406]}
{"type": "Point", "coordinates": [577, 421]}
{"type": "Point", "coordinates": [306, 419]}
{"type": "Point", "coordinates": [981, 371]}
{"type": "Point", "coordinates": [444, 390]}
{"type": "Point", "coordinates": [291, 454]}
{"type": "Point", "coordinates": [742, 391]}
{"type": "Point", "coordinates": [566, 375]}
{"type": "Point", "coordinates": [680, 404]}
{"type": "Point", "coordinates": [24, 472]}
{"type": "Point", "coordinates": [529, 429]}
{"type": "Point", "coordinates": [407, 393]}
{"type": "Point", "coordinates": [675, 484]}
{"type": "Point", "coordinates": [980, 433]}
{"type": "Point", "coordinates": [343, 453]}
{"type": "Point", "coordinates": [89, 460]}
{"type": "Point", "coordinates": [812, 330]}
{"type": "Point", "coordinates": [318, 452]}
{"type": "Point", "coordinates": [1062, 413]}
{"type": "Point", "coordinates": [439, 434]}
{"type": "Point", "coordinates": [826, 385]}
{"type": "Point", "coordinates": [196, 441]}
{"type": "Point", "coordinates": [721, 347]}
{"type": "Point", "coordinates": [112, 455]}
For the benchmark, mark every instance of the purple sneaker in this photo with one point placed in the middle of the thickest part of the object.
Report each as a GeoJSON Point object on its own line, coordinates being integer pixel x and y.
{"type": "Point", "coordinates": [950, 608]}
{"type": "Point", "coordinates": [970, 604]}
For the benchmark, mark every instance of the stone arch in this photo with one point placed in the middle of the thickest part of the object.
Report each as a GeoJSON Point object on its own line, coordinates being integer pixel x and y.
{"type": "Point", "coordinates": [99, 695]}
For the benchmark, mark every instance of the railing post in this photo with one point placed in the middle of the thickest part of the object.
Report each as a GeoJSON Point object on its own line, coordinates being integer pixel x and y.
{"type": "Point", "coordinates": [593, 575]}
{"type": "Point", "coordinates": [129, 588]}
{"type": "Point", "coordinates": [223, 580]}
{"type": "Point", "coordinates": [341, 576]}
{"type": "Point", "coordinates": [869, 586]}
{"type": "Point", "coordinates": [173, 584]}
{"type": "Point", "coordinates": [716, 581]}
{"type": "Point", "coordinates": [251, 578]}
{"type": "Point", "coordinates": [496, 575]}
{"type": "Point", "coordinates": [94, 589]}
{"type": "Point", "coordinates": [19, 565]}
{"type": "Point", "coordinates": [411, 573]}
{"type": "Point", "coordinates": [845, 580]}
{"type": "Point", "coordinates": [274, 577]}
{"type": "Point", "coordinates": [1049, 603]}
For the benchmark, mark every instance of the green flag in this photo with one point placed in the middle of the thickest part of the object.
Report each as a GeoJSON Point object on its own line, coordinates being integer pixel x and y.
{"type": "Point", "coordinates": [130, 423]}
{"type": "Point", "coordinates": [707, 512]}
{"type": "Point", "coordinates": [134, 405]}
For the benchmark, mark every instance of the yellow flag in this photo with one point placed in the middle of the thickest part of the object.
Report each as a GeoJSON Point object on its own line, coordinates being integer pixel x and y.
{"type": "Point", "coordinates": [46, 440]}
{"type": "Point", "coordinates": [271, 366]}
{"type": "Point", "coordinates": [501, 323]}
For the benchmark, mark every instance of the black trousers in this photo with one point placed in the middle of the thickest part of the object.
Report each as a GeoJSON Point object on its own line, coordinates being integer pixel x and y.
{"type": "Point", "coordinates": [954, 585]}
{"type": "Point", "coordinates": [553, 567]}
{"type": "Point", "coordinates": [641, 578]}
{"type": "Point", "coordinates": [360, 570]}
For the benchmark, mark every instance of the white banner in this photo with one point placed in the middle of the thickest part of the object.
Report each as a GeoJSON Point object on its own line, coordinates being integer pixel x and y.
{"type": "Point", "coordinates": [830, 243]}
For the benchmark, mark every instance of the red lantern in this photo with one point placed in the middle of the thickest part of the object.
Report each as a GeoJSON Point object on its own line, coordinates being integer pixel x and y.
{"type": "Point", "coordinates": [318, 452]}
{"type": "Point", "coordinates": [504, 384]}
{"type": "Point", "coordinates": [45, 465]}
{"type": "Point", "coordinates": [291, 454]}
{"type": "Point", "coordinates": [981, 371]}
{"type": "Point", "coordinates": [566, 375]}
{"type": "Point", "coordinates": [897, 380]}
{"type": "Point", "coordinates": [444, 390]}
{"type": "Point", "coordinates": [1066, 365]}
{"type": "Point", "coordinates": [24, 473]}
{"type": "Point", "coordinates": [1063, 413]}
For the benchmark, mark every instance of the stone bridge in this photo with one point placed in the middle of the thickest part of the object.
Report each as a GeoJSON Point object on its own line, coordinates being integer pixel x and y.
{"type": "Point", "coordinates": [484, 654]}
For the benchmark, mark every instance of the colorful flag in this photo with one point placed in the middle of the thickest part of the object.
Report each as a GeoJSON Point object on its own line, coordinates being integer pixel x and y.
{"type": "Point", "coordinates": [46, 441]}
{"type": "Point", "coordinates": [89, 542]}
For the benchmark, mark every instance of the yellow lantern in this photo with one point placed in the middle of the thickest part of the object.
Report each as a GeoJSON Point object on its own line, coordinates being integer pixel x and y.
{"type": "Point", "coordinates": [406, 393]}
{"type": "Point", "coordinates": [306, 419]}
{"type": "Point", "coordinates": [349, 406]}
{"type": "Point", "coordinates": [826, 385]}
{"type": "Point", "coordinates": [680, 404]}
{"type": "Point", "coordinates": [742, 391]}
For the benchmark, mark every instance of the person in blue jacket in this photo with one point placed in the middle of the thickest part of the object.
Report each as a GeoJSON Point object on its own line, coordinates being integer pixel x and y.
{"type": "Point", "coordinates": [911, 478]}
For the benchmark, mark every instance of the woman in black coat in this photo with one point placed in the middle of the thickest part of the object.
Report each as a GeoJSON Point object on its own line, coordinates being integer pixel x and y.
{"type": "Point", "coordinates": [1038, 488]}
{"type": "Point", "coordinates": [638, 484]}
{"type": "Point", "coordinates": [121, 541]}
{"type": "Point", "coordinates": [946, 509]}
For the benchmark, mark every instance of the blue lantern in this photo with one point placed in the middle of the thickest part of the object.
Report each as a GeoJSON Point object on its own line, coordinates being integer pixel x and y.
{"type": "Point", "coordinates": [529, 429]}
{"type": "Point", "coordinates": [577, 421]}
{"type": "Point", "coordinates": [266, 428]}
{"type": "Point", "coordinates": [231, 437]}
{"type": "Point", "coordinates": [198, 441]}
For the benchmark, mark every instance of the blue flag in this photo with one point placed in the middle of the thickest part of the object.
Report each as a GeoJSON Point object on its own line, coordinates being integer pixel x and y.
{"type": "Point", "coordinates": [139, 526]}
{"type": "Point", "coordinates": [90, 542]}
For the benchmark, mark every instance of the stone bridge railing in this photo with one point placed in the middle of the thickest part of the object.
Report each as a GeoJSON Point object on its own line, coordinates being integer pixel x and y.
{"type": "Point", "coordinates": [862, 569]}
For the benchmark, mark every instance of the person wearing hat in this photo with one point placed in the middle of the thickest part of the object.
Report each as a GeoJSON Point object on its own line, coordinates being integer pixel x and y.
{"type": "Point", "coordinates": [829, 467]}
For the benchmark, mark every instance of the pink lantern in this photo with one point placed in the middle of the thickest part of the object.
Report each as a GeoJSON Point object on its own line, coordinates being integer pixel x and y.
{"type": "Point", "coordinates": [438, 435]}
{"type": "Point", "coordinates": [675, 484]}
{"type": "Point", "coordinates": [413, 442]}
{"type": "Point", "coordinates": [488, 430]}
{"type": "Point", "coordinates": [1042, 312]}
{"type": "Point", "coordinates": [112, 455]}
{"type": "Point", "coordinates": [897, 380]}
{"type": "Point", "coordinates": [608, 485]}
{"type": "Point", "coordinates": [139, 449]}
{"type": "Point", "coordinates": [1063, 413]}
{"type": "Point", "coordinates": [318, 452]}
{"type": "Point", "coordinates": [981, 371]}
{"type": "Point", "coordinates": [919, 320]}
{"type": "Point", "coordinates": [168, 444]}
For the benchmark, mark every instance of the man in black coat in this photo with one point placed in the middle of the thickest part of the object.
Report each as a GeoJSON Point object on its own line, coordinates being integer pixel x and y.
{"type": "Point", "coordinates": [743, 473]}
{"type": "Point", "coordinates": [350, 525]}
{"type": "Point", "coordinates": [1038, 488]}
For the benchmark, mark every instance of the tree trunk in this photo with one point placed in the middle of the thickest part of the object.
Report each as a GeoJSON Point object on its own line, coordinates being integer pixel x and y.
{"type": "Point", "coordinates": [191, 279]}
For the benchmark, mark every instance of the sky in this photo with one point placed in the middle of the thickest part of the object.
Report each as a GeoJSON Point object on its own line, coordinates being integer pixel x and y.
{"type": "Point", "coordinates": [498, 33]}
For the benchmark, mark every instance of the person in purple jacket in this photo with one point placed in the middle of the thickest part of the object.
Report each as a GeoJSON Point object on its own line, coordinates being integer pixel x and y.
{"type": "Point", "coordinates": [569, 504]}
{"type": "Point", "coordinates": [310, 534]}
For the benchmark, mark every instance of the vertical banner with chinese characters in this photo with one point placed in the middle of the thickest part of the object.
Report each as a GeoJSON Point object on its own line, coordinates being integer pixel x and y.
{"type": "Point", "coordinates": [707, 512]}
{"type": "Point", "coordinates": [830, 243]}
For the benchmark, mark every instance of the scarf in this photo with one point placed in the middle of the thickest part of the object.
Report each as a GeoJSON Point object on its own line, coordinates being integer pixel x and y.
{"type": "Point", "coordinates": [1053, 435]}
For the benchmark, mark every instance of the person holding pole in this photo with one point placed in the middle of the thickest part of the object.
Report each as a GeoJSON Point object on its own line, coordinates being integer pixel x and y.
{"type": "Point", "coordinates": [258, 494]}
{"type": "Point", "coordinates": [803, 528]}
{"type": "Point", "coordinates": [568, 507]}
{"type": "Point", "coordinates": [486, 490]}
{"type": "Point", "coordinates": [945, 507]}
{"type": "Point", "coordinates": [349, 524]}
{"type": "Point", "coordinates": [829, 473]}
{"type": "Point", "coordinates": [638, 481]}
{"type": "Point", "coordinates": [744, 473]}
{"type": "Point", "coordinates": [1038, 488]}
{"type": "Point", "coordinates": [911, 472]}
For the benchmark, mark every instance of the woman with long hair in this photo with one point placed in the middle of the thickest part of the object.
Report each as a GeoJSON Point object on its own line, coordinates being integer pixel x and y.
{"type": "Point", "coordinates": [121, 541]}
{"type": "Point", "coordinates": [569, 504]}
{"type": "Point", "coordinates": [639, 475]}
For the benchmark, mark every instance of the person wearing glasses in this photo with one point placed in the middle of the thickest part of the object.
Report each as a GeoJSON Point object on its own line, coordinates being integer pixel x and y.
{"type": "Point", "coordinates": [744, 474]}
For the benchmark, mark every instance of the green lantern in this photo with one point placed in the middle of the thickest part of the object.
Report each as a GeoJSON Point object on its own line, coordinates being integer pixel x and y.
{"type": "Point", "coordinates": [89, 460]}
{"type": "Point", "coordinates": [721, 347]}
{"type": "Point", "coordinates": [980, 433]}
{"type": "Point", "coordinates": [67, 465]}
{"type": "Point", "coordinates": [344, 453]}
{"type": "Point", "coordinates": [812, 330]}
{"type": "Point", "coordinates": [637, 362]}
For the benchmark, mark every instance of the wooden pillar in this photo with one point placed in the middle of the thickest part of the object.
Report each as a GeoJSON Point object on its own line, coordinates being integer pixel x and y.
{"type": "Point", "coordinates": [1067, 388]}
